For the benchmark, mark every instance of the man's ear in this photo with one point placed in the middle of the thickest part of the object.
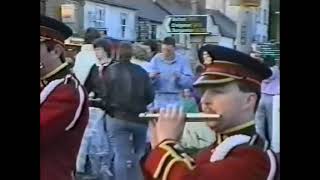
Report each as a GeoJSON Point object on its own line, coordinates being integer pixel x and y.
{"type": "Point", "coordinates": [58, 50]}
{"type": "Point", "coordinates": [250, 100]}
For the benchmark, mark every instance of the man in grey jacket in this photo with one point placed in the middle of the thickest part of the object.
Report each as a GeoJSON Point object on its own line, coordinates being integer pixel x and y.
{"type": "Point", "coordinates": [128, 91]}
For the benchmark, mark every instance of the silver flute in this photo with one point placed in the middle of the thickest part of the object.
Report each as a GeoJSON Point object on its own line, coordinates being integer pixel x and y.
{"type": "Point", "coordinates": [190, 117]}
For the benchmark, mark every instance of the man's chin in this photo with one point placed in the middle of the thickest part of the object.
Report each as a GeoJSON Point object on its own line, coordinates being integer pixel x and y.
{"type": "Point", "coordinates": [216, 129]}
{"type": "Point", "coordinates": [214, 125]}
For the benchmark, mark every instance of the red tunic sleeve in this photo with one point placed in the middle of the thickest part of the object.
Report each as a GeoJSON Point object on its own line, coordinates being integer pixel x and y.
{"type": "Point", "coordinates": [242, 164]}
{"type": "Point", "coordinates": [57, 112]}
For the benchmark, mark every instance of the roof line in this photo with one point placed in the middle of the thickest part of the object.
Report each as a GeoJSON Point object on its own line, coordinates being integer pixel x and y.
{"type": "Point", "coordinates": [113, 4]}
{"type": "Point", "coordinates": [151, 20]}
{"type": "Point", "coordinates": [161, 7]}
{"type": "Point", "coordinates": [220, 27]}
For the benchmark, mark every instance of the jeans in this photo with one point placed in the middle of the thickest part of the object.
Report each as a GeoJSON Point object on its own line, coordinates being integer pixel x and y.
{"type": "Point", "coordinates": [263, 117]}
{"type": "Point", "coordinates": [128, 140]}
{"type": "Point", "coordinates": [95, 154]}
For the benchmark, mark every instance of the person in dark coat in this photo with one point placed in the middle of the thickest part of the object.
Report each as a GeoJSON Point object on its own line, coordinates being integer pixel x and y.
{"type": "Point", "coordinates": [128, 91]}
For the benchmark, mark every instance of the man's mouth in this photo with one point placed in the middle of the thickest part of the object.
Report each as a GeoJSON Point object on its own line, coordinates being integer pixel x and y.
{"type": "Point", "coordinates": [209, 111]}
{"type": "Point", "coordinates": [212, 112]}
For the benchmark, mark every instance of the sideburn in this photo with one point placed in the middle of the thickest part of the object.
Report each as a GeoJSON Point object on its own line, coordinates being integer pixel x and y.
{"type": "Point", "coordinates": [247, 87]}
{"type": "Point", "coordinates": [50, 46]}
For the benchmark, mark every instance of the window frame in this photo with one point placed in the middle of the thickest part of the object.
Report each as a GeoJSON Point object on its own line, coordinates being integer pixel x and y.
{"type": "Point", "coordinates": [258, 16]}
{"type": "Point", "coordinates": [265, 16]}
{"type": "Point", "coordinates": [99, 17]}
{"type": "Point", "coordinates": [123, 26]}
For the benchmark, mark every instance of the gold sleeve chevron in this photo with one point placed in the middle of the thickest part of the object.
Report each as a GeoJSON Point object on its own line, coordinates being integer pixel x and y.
{"type": "Point", "coordinates": [172, 156]}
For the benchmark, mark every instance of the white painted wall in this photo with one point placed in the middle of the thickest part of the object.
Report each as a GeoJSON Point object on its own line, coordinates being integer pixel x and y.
{"type": "Point", "coordinates": [232, 11]}
{"type": "Point", "coordinates": [261, 29]}
{"type": "Point", "coordinates": [217, 5]}
{"type": "Point", "coordinates": [161, 32]}
{"type": "Point", "coordinates": [212, 28]}
{"type": "Point", "coordinates": [226, 42]}
{"type": "Point", "coordinates": [256, 29]}
{"type": "Point", "coordinates": [224, 6]}
{"type": "Point", "coordinates": [113, 20]}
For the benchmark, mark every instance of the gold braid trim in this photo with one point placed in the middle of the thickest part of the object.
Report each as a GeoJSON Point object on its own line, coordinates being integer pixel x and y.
{"type": "Point", "coordinates": [43, 39]}
{"type": "Point", "coordinates": [168, 167]}
{"type": "Point", "coordinates": [237, 128]}
{"type": "Point", "coordinates": [215, 81]}
{"type": "Point", "coordinates": [168, 142]}
{"type": "Point", "coordinates": [159, 167]}
{"type": "Point", "coordinates": [220, 137]}
{"type": "Point", "coordinates": [55, 71]}
{"type": "Point", "coordinates": [233, 76]}
{"type": "Point", "coordinates": [176, 156]}
{"type": "Point", "coordinates": [163, 158]}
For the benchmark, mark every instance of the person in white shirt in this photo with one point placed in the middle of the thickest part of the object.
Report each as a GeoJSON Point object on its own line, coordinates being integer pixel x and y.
{"type": "Point", "coordinates": [86, 58]}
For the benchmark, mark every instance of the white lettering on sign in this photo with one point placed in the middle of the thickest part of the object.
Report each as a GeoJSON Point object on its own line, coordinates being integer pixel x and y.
{"type": "Point", "coordinates": [181, 25]}
{"type": "Point", "coordinates": [186, 24]}
{"type": "Point", "coordinates": [179, 19]}
{"type": "Point", "coordinates": [174, 30]}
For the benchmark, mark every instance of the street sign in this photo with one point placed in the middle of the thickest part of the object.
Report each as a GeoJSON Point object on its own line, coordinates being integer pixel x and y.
{"type": "Point", "coordinates": [186, 24]}
{"type": "Point", "coordinates": [254, 3]}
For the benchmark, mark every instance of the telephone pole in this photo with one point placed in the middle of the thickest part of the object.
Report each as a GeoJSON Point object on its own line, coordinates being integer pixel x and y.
{"type": "Point", "coordinates": [196, 40]}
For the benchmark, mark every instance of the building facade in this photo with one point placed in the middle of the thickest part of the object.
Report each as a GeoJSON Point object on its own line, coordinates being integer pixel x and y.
{"type": "Point", "coordinates": [274, 20]}
{"type": "Point", "coordinates": [252, 22]}
{"type": "Point", "coordinates": [117, 20]}
{"type": "Point", "coordinates": [149, 17]}
{"type": "Point", "coordinates": [53, 8]}
{"type": "Point", "coordinates": [147, 29]}
{"type": "Point", "coordinates": [100, 14]}
{"type": "Point", "coordinates": [262, 22]}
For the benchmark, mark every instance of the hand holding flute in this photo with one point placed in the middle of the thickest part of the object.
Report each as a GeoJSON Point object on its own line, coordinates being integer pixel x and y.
{"type": "Point", "coordinates": [170, 123]}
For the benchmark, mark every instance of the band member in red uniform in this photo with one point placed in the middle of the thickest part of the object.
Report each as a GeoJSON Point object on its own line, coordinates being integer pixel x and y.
{"type": "Point", "coordinates": [63, 105]}
{"type": "Point", "coordinates": [231, 88]}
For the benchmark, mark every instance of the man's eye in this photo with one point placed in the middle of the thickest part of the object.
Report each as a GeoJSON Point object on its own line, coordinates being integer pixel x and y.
{"type": "Point", "coordinates": [217, 91]}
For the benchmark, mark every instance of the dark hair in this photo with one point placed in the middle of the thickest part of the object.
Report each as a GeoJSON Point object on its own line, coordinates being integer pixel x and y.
{"type": "Point", "coordinates": [103, 43]}
{"type": "Point", "coordinates": [152, 44]}
{"type": "Point", "coordinates": [208, 49]}
{"type": "Point", "coordinates": [90, 35]}
{"type": "Point", "coordinates": [245, 87]}
{"type": "Point", "coordinates": [169, 41]}
{"type": "Point", "coordinates": [125, 51]}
